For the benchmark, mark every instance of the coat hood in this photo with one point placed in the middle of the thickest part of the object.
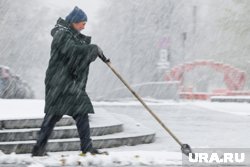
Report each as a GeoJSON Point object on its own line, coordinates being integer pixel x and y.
{"type": "Point", "coordinates": [63, 24]}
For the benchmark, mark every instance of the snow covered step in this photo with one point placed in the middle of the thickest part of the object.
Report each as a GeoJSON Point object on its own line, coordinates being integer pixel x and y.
{"type": "Point", "coordinates": [32, 123]}
{"type": "Point", "coordinates": [135, 135]}
{"type": "Point", "coordinates": [24, 118]}
{"type": "Point", "coordinates": [21, 114]}
{"type": "Point", "coordinates": [59, 132]}
{"type": "Point", "coordinates": [100, 118]}
{"type": "Point", "coordinates": [100, 124]}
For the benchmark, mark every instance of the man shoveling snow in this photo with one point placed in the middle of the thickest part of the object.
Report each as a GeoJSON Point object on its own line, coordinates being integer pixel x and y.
{"type": "Point", "coordinates": [66, 79]}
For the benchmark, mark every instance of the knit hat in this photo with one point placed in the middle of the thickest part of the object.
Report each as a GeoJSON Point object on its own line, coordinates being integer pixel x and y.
{"type": "Point", "coordinates": [76, 15]}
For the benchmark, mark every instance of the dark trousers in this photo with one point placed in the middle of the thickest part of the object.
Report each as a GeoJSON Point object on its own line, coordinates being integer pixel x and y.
{"type": "Point", "coordinates": [82, 123]}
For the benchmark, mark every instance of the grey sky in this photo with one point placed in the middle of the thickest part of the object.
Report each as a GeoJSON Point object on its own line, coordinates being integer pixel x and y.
{"type": "Point", "coordinates": [91, 8]}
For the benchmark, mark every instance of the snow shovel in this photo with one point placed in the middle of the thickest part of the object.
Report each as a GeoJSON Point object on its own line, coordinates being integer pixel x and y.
{"type": "Point", "coordinates": [185, 148]}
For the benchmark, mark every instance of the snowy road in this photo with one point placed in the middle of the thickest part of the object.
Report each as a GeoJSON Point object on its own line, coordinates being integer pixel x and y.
{"type": "Point", "coordinates": [198, 125]}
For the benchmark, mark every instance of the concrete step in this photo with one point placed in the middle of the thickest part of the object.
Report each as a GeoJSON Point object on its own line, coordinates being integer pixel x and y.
{"type": "Point", "coordinates": [16, 123]}
{"type": "Point", "coordinates": [135, 135]}
{"type": "Point", "coordinates": [58, 132]}
{"type": "Point", "coordinates": [20, 123]}
{"type": "Point", "coordinates": [32, 123]}
{"type": "Point", "coordinates": [100, 124]}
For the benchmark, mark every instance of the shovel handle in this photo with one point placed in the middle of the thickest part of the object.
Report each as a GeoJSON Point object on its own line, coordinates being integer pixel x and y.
{"type": "Point", "coordinates": [143, 103]}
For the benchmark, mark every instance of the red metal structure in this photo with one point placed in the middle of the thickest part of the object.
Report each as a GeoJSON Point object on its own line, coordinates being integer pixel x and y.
{"type": "Point", "coordinates": [234, 78]}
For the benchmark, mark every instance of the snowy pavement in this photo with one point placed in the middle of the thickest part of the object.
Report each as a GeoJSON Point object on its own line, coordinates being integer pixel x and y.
{"type": "Point", "coordinates": [123, 158]}
{"type": "Point", "coordinates": [242, 109]}
{"type": "Point", "coordinates": [195, 123]}
{"type": "Point", "coordinates": [200, 124]}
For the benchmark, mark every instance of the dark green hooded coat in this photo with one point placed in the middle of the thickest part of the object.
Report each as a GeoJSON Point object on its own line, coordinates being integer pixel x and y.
{"type": "Point", "coordinates": [67, 72]}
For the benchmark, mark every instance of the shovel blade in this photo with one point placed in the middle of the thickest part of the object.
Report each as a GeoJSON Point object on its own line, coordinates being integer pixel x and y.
{"type": "Point", "coordinates": [186, 149]}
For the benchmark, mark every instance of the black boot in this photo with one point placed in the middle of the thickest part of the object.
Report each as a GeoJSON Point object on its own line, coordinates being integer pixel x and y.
{"type": "Point", "coordinates": [36, 151]}
{"type": "Point", "coordinates": [94, 151]}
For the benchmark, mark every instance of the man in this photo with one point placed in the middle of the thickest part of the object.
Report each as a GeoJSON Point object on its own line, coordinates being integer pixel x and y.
{"type": "Point", "coordinates": [66, 78]}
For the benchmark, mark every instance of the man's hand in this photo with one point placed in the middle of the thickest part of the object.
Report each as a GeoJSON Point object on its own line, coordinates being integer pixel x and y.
{"type": "Point", "coordinates": [101, 55]}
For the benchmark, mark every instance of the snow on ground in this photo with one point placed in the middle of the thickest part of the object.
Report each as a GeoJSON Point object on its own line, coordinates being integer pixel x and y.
{"type": "Point", "coordinates": [123, 158]}
{"type": "Point", "coordinates": [200, 124]}
{"type": "Point", "coordinates": [231, 108]}
{"type": "Point", "coordinates": [35, 108]}
{"type": "Point", "coordinates": [21, 109]}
